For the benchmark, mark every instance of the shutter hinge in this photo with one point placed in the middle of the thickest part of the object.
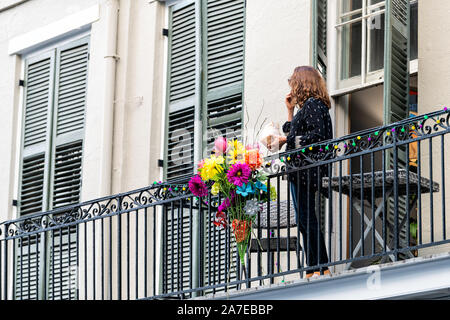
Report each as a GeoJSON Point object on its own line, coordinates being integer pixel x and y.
{"type": "Point", "coordinates": [160, 163]}
{"type": "Point", "coordinates": [21, 83]}
{"type": "Point", "coordinates": [14, 203]}
{"type": "Point", "coordinates": [165, 32]}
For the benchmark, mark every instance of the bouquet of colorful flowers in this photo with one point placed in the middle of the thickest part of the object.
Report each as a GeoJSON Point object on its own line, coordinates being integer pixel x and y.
{"type": "Point", "coordinates": [235, 172]}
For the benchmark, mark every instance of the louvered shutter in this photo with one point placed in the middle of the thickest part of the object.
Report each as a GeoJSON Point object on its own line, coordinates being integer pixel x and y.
{"type": "Point", "coordinates": [396, 90]}
{"type": "Point", "coordinates": [223, 59]}
{"type": "Point", "coordinates": [177, 262]}
{"type": "Point", "coordinates": [28, 260]}
{"type": "Point", "coordinates": [36, 134]}
{"type": "Point", "coordinates": [183, 110]}
{"type": "Point", "coordinates": [320, 36]}
{"type": "Point", "coordinates": [70, 102]}
{"type": "Point", "coordinates": [35, 165]}
{"type": "Point", "coordinates": [220, 263]}
{"type": "Point", "coordinates": [50, 175]}
{"type": "Point", "coordinates": [183, 90]}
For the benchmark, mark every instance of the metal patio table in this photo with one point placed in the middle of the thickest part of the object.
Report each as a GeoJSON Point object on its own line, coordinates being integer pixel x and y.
{"type": "Point", "coordinates": [372, 188]}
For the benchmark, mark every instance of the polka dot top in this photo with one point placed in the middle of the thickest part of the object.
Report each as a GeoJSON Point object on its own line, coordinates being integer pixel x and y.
{"type": "Point", "coordinates": [311, 124]}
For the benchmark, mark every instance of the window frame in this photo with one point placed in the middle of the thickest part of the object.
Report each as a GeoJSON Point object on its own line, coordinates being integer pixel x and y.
{"type": "Point", "coordinates": [366, 78]}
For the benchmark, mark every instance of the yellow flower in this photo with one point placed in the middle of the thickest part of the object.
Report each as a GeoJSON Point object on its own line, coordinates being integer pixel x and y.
{"type": "Point", "coordinates": [236, 152]}
{"type": "Point", "coordinates": [219, 160]}
{"type": "Point", "coordinates": [211, 167]}
{"type": "Point", "coordinates": [215, 189]}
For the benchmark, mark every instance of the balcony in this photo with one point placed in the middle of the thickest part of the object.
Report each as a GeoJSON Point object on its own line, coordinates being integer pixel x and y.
{"type": "Point", "coordinates": [381, 208]}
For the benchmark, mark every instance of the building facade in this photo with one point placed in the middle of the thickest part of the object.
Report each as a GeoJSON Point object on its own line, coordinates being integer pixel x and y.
{"type": "Point", "coordinates": [100, 97]}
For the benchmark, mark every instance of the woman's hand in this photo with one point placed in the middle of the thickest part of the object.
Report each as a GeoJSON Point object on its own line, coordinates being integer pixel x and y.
{"type": "Point", "coordinates": [276, 142]}
{"type": "Point", "coordinates": [290, 105]}
{"type": "Point", "coordinates": [290, 102]}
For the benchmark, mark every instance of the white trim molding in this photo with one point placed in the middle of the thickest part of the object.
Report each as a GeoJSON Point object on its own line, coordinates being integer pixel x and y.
{"type": "Point", "coordinates": [55, 30]}
{"type": "Point", "coordinates": [413, 278]}
{"type": "Point", "coordinates": [413, 69]}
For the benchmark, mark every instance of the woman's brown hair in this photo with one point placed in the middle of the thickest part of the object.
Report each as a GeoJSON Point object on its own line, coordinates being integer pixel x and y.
{"type": "Point", "coordinates": [306, 82]}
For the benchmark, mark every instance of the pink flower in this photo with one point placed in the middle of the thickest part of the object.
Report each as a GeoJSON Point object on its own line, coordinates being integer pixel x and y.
{"type": "Point", "coordinates": [251, 146]}
{"type": "Point", "coordinates": [239, 173]}
{"type": "Point", "coordinates": [220, 145]}
{"type": "Point", "coordinates": [198, 187]}
{"type": "Point", "coordinates": [200, 164]}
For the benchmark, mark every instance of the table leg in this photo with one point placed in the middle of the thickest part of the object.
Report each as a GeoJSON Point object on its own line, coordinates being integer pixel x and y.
{"type": "Point", "coordinates": [368, 222]}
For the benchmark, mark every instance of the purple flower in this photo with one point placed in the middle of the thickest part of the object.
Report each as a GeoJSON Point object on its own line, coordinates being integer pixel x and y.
{"type": "Point", "coordinates": [224, 205]}
{"type": "Point", "coordinates": [198, 187]}
{"type": "Point", "coordinates": [239, 174]}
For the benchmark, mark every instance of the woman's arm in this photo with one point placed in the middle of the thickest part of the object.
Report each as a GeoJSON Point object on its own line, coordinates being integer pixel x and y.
{"type": "Point", "coordinates": [289, 127]}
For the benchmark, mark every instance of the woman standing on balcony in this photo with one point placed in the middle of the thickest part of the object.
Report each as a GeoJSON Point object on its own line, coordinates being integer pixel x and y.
{"type": "Point", "coordinates": [311, 124]}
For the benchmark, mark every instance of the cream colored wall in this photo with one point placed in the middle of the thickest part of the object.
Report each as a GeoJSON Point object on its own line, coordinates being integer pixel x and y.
{"type": "Point", "coordinates": [272, 51]}
{"type": "Point", "coordinates": [139, 95]}
{"type": "Point", "coordinates": [434, 77]}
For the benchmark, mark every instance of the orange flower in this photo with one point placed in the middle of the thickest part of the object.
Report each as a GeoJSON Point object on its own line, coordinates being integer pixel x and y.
{"type": "Point", "coordinates": [241, 229]}
{"type": "Point", "coordinates": [253, 159]}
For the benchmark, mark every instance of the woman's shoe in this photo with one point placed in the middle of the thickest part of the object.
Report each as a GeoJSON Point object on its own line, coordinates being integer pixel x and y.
{"type": "Point", "coordinates": [325, 272]}
{"type": "Point", "coordinates": [309, 275]}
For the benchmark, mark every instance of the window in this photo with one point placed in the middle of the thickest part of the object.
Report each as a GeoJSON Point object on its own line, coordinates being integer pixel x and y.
{"type": "Point", "coordinates": [51, 162]}
{"type": "Point", "coordinates": [361, 31]}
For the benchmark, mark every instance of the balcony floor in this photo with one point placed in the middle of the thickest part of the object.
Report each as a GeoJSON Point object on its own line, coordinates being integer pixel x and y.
{"type": "Point", "coordinates": [425, 277]}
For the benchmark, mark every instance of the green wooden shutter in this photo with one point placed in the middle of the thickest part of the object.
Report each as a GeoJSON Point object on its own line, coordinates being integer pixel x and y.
{"type": "Point", "coordinates": [183, 90]}
{"type": "Point", "coordinates": [319, 27]}
{"type": "Point", "coordinates": [27, 273]}
{"type": "Point", "coordinates": [396, 65]}
{"type": "Point", "coordinates": [70, 102]}
{"type": "Point", "coordinates": [67, 153]}
{"type": "Point", "coordinates": [36, 134]}
{"type": "Point", "coordinates": [177, 263]}
{"type": "Point", "coordinates": [396, 90]}
{"type": "Point", "coordinates": [223, 59]}
{"type": "Point", "coordinates": [50, 175]}
{"type": "Point", "coordinates": [35, 165]}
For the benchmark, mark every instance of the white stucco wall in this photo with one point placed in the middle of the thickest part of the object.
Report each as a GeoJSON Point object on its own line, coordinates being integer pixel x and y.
{"type": "Point", "coordinates": [272, 51]}
{"type": "Point", "coordinates": [434, 77]}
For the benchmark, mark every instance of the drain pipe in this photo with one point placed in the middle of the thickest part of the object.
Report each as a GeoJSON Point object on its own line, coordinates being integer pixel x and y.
{"type": "Point", "coordinates": [109, 97]}
{"type": "Point", "coordinates": [111, 58]}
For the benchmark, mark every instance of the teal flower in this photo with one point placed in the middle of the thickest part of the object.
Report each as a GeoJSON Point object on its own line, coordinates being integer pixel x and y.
{"type": "Point", "coordinates": [245, 189]}
{"type": "Point", "coordinates": [261, 186]}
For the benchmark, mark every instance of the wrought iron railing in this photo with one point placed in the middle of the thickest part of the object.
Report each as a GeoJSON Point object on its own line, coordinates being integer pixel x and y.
{"type": "Point", "coordinates": [374, 196]}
